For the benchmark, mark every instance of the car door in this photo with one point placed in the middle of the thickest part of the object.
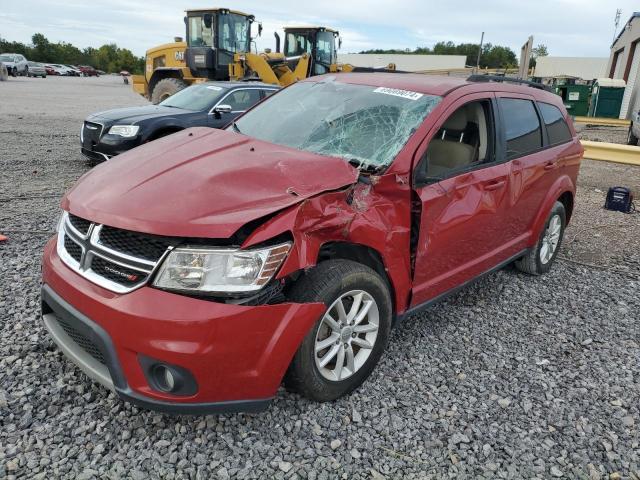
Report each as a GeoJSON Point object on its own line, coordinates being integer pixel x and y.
{"type": "Point", "coordinates": [460, 206]}
{"type": "Point", "coordinates": [239, 101]}
{"type": "Point", "coordinates": [534, 167]}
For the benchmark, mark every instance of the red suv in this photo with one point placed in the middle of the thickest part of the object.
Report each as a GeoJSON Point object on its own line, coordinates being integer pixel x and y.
{"type": "Point", "coordinates": [199, 271]}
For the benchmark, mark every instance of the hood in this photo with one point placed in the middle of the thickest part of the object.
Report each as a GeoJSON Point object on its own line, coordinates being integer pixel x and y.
{"type": "Point", "coordinates": [131, 115]}
{"type": "Point", "coordinates": [202, 182]}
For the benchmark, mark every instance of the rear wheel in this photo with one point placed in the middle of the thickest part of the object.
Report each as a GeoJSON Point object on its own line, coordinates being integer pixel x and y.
{"type": "Point", "coordinates": [631, 138]}
{"type": "Point", "coordinates": [165, 88]}
{"type": "Point", "coordinates": [345, 344]}
{"type": "Point", "coordinates": [541, 257]}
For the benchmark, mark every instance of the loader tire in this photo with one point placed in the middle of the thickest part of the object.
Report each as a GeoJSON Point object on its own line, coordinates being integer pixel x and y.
{"type": "Point", "coordinates": [165, 88]}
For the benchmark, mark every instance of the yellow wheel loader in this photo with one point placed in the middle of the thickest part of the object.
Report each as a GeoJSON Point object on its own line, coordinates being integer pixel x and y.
{"type": "Point", "coordinates": [308, 51]}
{"type": "Point", "coordinates": [213, 37]}
{"type": "Point", "coordinates": [218, 47]}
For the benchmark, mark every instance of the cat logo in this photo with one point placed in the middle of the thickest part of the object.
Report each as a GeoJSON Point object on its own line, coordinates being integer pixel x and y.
{"type": "Point", "coordinates": [179, 56]}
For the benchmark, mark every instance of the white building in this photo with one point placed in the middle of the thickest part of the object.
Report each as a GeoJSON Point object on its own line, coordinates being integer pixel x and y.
{"type": "Point", "coordinates": [586, 68]}
{"type": "Point", "coordinates": [407, 63]}
{"type": "Point", "coordinates": [624, 63]}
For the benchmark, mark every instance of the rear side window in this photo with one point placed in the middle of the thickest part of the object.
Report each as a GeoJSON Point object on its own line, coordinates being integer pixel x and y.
{"type": "Point", "coordinates": [522, 127]}
{"type": "Point", "coordinates": [557, 127]}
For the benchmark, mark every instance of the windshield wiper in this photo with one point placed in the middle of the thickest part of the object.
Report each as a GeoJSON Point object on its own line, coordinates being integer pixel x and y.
{"type": "Point", "coordinates": [363, 166]}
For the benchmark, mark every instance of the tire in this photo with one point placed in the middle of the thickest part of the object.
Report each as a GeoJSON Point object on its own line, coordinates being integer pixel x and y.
{"type": "Point", "coordinates": [165, 88]}
{"type": "Point", "coordinates": [26, 72]}
{"type": "Point", "coordinates": [533, 263]}
{"type": "Point", "coordinates": [631, 138]}
{"type": "Point", "coordinates": [328, 283]}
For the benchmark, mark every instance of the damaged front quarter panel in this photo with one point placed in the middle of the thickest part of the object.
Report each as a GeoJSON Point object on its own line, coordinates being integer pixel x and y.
{"type": "Point", "coordinates": [373, 212]}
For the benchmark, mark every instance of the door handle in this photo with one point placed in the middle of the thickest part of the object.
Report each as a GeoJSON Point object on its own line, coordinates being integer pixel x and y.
{"type": "Point", "coordinates": [550, 165]}
{"type": "Point", "coordinates": [495, 185]}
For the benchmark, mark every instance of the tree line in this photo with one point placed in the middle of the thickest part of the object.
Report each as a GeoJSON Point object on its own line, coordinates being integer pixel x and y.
{"type": "Point", "coordinates": [109, 58]}
{"type": "Point", "coordinates": [492, 56]}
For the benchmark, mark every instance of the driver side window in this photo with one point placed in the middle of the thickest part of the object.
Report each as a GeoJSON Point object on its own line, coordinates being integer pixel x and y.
{"type": "Point", "coordinates": [465, 141]}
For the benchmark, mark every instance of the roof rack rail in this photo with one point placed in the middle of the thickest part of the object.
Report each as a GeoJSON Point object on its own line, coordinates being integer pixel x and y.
{"type": "Point", "coordinates": [497, 78]}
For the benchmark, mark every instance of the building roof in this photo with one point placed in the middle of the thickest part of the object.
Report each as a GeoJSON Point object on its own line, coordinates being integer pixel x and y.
{"type": "Point", "coordinates": [404, 62]}
{"type": "Point", "coordinates": [586, 68]}
{"type": "Point", "coordinates": [631, 18]}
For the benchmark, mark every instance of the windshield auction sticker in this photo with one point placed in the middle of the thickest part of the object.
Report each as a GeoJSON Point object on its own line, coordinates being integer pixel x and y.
{"type": "Point", "coordinates": [396, 92]}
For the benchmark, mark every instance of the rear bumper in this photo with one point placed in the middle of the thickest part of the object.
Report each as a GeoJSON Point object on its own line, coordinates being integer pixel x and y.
{"type": "Point", "coordinates": [236, 354]}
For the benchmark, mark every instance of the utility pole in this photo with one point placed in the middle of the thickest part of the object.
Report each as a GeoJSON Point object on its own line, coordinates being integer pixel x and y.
{"type": "Point", "coordinates": [617, 22]}
{"type": "Point", "coordinates": [479, 52]}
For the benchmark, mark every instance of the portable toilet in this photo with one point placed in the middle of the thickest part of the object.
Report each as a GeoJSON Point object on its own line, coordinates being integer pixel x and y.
{"type": "Point", "coordinates": [606, 99]}
{"type": "Point", "coordinates": [575, 98]}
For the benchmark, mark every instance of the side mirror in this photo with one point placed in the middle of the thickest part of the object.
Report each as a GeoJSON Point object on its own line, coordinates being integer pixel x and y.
{"type": "Point", "coordinates": [260, 29]}
{"type": "Point", "coordinates": [223, 109]}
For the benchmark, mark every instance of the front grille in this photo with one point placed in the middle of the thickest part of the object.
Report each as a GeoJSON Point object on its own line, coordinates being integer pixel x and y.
{"type": "Point", "coordinates": [83, 341]}
{"type": "Point", "coordinates": [118, 260]}
{"type": "Point", "coordinates": [116, 273]}
{"type": "Point", "coordinates": [91, 133]}
{"type": "Point", "coordinates": [80, 224]}
{"type": "Point", "coordinates": [73, 249]}
{"type": "Point", "coordinates": [149, 247]}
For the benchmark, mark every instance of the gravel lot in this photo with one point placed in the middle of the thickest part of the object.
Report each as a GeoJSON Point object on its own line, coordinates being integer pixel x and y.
{"type": "Point", "coordinates": [515, 377]}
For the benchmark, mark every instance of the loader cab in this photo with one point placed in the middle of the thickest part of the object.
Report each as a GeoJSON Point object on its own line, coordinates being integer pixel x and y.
{"type": "Point", "coordinates": [318, 42]}
{"type": "Point", "coordinates": [213, 36]}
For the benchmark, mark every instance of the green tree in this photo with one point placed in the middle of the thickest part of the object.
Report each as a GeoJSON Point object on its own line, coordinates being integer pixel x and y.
{"type": "Point", "coordinates": [109, 58]}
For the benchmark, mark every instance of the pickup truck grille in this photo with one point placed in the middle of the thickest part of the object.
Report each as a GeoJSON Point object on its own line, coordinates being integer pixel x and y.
{"type": "Point", "coordinates": [118, 260]}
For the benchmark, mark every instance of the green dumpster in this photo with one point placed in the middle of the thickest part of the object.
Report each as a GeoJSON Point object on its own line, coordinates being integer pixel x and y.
{"type": "Point", "coordinates": [575, 98]}
{"type": "Point", "coordinates": [607, 98]}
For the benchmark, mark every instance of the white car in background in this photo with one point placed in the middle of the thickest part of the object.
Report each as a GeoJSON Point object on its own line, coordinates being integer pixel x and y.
{"type": "Point", "coordinates": [73, 71]}
{"type": "Point", "coordinates": [16, 64]}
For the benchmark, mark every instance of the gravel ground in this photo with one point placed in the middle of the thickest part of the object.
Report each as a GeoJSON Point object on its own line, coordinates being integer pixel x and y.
{"type": "Point", "coordinates": [515, 377]}
{"type": "Point", "coordinates": [596, 133]}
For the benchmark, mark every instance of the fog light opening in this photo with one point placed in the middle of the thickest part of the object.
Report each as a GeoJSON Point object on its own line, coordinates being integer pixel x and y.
{"type": "Point", "coordinates": [165, 378]}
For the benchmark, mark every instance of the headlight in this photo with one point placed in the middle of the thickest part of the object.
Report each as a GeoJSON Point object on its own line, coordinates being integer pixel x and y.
{"type": "Point", "coordinates": [124, 130]}
{"type": "Point", "coordinates": [220, 270]}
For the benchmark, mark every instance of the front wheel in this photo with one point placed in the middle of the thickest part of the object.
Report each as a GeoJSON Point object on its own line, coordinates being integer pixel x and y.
{"type": "Point", "coordinates": [541, 257]}
{"type": "Point", "coordinates": [631, 138]}
{"type": "Point", "coordinates": [165, 88]}
{"type": "Point", "coordinates": [345, 344]}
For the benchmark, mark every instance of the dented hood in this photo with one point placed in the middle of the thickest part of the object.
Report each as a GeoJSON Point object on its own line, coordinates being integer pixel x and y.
{"type": "Point", "coordinates": [202, 182]}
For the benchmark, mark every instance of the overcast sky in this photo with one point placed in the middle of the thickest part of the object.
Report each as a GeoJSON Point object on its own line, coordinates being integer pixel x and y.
{"type": "Point", "coordinates": [567, 27]}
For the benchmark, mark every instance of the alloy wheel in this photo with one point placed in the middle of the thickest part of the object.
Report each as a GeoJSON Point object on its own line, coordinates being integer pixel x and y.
{"type": "Point", "coordinates": [346, 335]}
{"type": "Point", "coordinates": [550, 239]}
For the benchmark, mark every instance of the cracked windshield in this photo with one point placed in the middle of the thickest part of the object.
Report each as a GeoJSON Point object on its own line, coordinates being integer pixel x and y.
{"type": "Point", "coordinates": [365, 125]}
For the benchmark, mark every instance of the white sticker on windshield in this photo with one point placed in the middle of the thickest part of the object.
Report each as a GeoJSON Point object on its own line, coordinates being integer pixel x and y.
{"type": "Point", "coordinates": [396, 92]}
{"type": "Point", "coordinates": [213, 87]}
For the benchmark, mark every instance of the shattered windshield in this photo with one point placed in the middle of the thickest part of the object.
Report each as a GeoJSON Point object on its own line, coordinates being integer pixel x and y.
{"type": "Point", "coordinates": [363, 124]}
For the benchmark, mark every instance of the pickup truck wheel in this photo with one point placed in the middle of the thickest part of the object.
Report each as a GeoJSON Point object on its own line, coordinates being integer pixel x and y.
{"type": "Point", "coordinates": [165, 88]}
{"type": "Point", "coordinates": [541, 257]}
{"type": "Point", "coordinates": [631, 138]}
{"type": "Point", "coordinates": [345, 344]}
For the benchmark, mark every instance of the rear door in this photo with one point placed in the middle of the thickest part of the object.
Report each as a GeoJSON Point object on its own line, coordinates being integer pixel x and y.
{"type": "Point", "coordinates": [539, 147]}
{"type": "Point", "coordinates": [461, 204]}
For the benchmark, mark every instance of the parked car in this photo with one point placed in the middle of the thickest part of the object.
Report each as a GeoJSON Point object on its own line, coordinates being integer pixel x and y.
{"type": "Point", "coordinates": [37, 70]}
{"type": "Point", "coordinates": [634, 129]}
{"type": "Point", "coordinates": [109, 133]}
{"type": "Point", "coordinates": [53, 69]}
{"type": "Point", "coordinates": [73, 71]}
{"type": "Point", "coordinates": [194, 273]}
{"type": "Point", "coordinates": [16, 64]}
{"type": "Point", "coordinates": [88, 71]}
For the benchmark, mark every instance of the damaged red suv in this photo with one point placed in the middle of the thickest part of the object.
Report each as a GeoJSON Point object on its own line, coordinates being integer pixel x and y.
{"type": "Point", "coordinates": [198, 272]}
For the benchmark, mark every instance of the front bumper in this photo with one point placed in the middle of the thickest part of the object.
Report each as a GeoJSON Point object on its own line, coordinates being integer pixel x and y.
{"type": "Point", "coordinates": [237, 354]}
